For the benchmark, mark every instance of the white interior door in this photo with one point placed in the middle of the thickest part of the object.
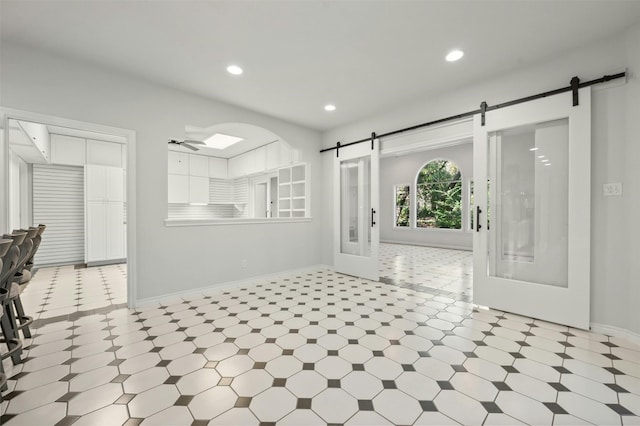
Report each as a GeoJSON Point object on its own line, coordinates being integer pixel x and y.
{"type": "Point", "coordinates": [531, 249]}
{"type": "Point", "coordinates": [356, 207]}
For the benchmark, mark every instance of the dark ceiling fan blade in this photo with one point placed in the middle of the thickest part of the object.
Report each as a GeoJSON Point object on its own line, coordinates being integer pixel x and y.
{"type": "Point", "coordinates": [191, 147]}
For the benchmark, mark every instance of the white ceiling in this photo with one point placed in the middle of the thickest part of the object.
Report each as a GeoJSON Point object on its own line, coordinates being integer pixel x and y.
{"type": "Point", "coordinates": [365, 57]}
{"type": "Point", "coordinates": [253, 137]}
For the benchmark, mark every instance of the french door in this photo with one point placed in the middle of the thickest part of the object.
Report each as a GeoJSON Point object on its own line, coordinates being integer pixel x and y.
{"type": "Point", "coordinates": [532, 169]}
{"type": "Point", "coordinates": [356, 207]}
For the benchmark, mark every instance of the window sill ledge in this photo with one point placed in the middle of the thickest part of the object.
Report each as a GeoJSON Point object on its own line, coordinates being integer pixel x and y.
{"type": "Point", "coordinates": [215, 222]}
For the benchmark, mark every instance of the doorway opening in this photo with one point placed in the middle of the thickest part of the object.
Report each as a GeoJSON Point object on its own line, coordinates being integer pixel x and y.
{"type": "Point", "coordinates": [74, 178]}
{"type": "Point", "coordinates": [426, 202]}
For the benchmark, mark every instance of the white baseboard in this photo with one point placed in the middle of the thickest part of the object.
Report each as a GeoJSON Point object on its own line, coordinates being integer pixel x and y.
{"type": "Point", "coordinates": [443, 246]}
{"type": "Point", "coordinates": [610, 330]}
{"type": "Point", "coordinates": [219, 288]}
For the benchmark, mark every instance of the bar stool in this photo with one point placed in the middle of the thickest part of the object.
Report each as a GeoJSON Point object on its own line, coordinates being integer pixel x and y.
{"type": "Point", "coordinates": [14, 345]}
{"type": "Point", "coordinates": [36, 244]}
{"type": "Point", "coordinates": [26, 253]}
{"type": "Point", "coordinates": [3, 377]}
{"type": "Point", "coordinates": [10, 279]}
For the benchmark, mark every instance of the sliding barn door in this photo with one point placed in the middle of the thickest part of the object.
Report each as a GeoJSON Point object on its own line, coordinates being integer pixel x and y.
{"type": "Point", "coordinates": [532, 192]}
{"type": "Point", "coordinates": [356, 207]}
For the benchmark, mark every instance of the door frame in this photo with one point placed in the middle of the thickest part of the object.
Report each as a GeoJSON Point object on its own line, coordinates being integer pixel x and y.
{"type": "Point", "coordinates": [488, 290]}
{"type": "Point", "coordinates": [129, 135]}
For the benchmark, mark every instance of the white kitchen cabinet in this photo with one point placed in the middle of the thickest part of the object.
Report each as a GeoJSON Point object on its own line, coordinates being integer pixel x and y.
{"type": "Point", "coordinates": [198, 190]}
{"type": "Point", "coordinates": [285, 156]}
{"type": "Point", "coordinates": [104, 153]}
{"type": "Point", "coordinates": [68, 150]}
{"type": "Point", "coordinates": [237, 166]}
{"type": "Point", "coordinates": [104, 183]}
{"type": "Point", "coordinates": [96, 231]}
{"type": "Point", "coordinates": [249, 163]}
{"type": "Point", "coordinates": [178, 189]}
{"type": "Point", "coordinates": [188, 178]}
{"type": "Point", "coordinates": [114, 184]}
{"type": "Point", "coordinates": [198, 165]}
{"type": "Point", "coordinates": [115, 230]}
{"type": "Point", "coordinates": [96, 183]}
{"type": "Point", "coordinates": [105, 227]}
{"type": "Point", "coordinates": [259, 160]}
{"type": "Point", "coordinates": [105, 231]}
{"type": "Point", "coordinates": [273, 156]}
{"type": "Point", "coordinates": [178, 163]}
{"type": "Point", "coordinates": [217, 168]}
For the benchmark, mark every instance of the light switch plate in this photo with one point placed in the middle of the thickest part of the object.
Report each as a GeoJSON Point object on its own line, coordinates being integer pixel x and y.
{"type": "Point", "coordinates": [612, 189]}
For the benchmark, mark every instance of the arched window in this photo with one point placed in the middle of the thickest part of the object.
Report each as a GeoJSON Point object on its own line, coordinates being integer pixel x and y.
{"type": "Point", "coordinates": [439, 196]}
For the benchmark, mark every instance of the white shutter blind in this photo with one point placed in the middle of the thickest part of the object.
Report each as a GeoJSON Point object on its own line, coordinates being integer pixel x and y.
{"type": "Point", "coordinates": [58, 202]}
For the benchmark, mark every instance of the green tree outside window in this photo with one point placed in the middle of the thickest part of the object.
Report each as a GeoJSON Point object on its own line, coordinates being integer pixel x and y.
{"type": "Point", "coordinates": [439, 196]}
{"type": "Point", "coordinates": [402, 193]}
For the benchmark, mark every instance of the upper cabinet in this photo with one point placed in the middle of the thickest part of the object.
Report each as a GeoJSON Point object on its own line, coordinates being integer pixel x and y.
{"type": "Point", "coordinates": [104, 153]}
{"type": "Point", "coordinates": [178, 163]}
{"type": "Point", "coordinates": [217, 168]}
{"type": "Point", "coordinates": [104, 183]}
{"type": "Point", "coordinates": [264, 158]}
{"type": "Point", "coordinates": [198, 165]}
{"type": "Point", "coordinates": [68, 150]}
{"type": "Point", "coordinates": [188, 178]}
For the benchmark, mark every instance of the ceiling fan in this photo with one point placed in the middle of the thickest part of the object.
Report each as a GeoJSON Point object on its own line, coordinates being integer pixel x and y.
{"type": "Point", "coordinates": [187, 143]}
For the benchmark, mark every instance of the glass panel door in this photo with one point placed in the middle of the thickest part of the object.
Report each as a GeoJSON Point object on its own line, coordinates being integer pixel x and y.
{"type": "Point", "coordinates": [529, 238]}
{"type": "Point", "coordinates": [532, 222]}
{"type": "Point", "coordinates": [356, 204]}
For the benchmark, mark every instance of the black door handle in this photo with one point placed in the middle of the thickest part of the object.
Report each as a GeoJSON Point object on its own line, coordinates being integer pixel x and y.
{"type": "Point", "coordinates": [478, 211]}
{"type": "Point", "coordinates": [373, 222]}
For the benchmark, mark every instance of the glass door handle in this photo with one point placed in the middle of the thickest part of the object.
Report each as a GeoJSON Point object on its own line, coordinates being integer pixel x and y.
{"type": "Point", "coordinates": [478, 211]}
{"type": "Point", "coordinates": [373, 222]}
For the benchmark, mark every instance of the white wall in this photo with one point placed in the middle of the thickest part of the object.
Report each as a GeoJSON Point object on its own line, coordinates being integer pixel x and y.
{"type": "Point", "coordinates": [19, 193]}
{"type": "Point", "coordinates": [615, 284]}
{"type": "Point", "coordinates": [179, 258]}
{"type": "Point", "coordinates": [403, 169]}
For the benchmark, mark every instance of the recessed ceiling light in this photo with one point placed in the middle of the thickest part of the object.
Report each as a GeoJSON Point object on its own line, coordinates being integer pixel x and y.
{"type": "Point", "coordinates": [221, 141]}
{"type": "Point", "coordinates": [234, 69]}
{"type": "Point", "coordinates": [454, 55]}
{"type": "Point", "coordinates": [545, 160]}
{"type": "Point", "coordinates": [534, 149]}
{"type": "Point", "coordinates": [330, 107]}
{"type": "Point", "coordinates": [540, 156]}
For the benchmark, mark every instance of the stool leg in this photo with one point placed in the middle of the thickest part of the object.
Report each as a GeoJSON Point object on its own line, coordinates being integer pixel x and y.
{"type": "Point", "coordinates": [10, 333]}
{"type": "Point", "coordinates": [3, 379]}
{"type": "Point", "coordinates": [22, 319]}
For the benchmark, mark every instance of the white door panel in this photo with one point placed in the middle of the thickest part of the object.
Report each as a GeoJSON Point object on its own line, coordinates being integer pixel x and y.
{"type": "Point", "coordinates": [532, 246]}
{"type": "Point", "coordinates": [356, 204]}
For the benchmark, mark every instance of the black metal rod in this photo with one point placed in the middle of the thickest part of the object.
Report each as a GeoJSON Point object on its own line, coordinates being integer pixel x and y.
{"type": "Point", "coordinates": [602, 79]}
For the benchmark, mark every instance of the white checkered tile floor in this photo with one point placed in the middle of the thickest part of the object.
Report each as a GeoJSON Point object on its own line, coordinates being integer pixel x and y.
{"type": "Point", "coordinates": [443, 269]}
{"type": "Point", "coordinates": [62, 290]}
{"type": "Point", "coordinates": [320, 348]}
